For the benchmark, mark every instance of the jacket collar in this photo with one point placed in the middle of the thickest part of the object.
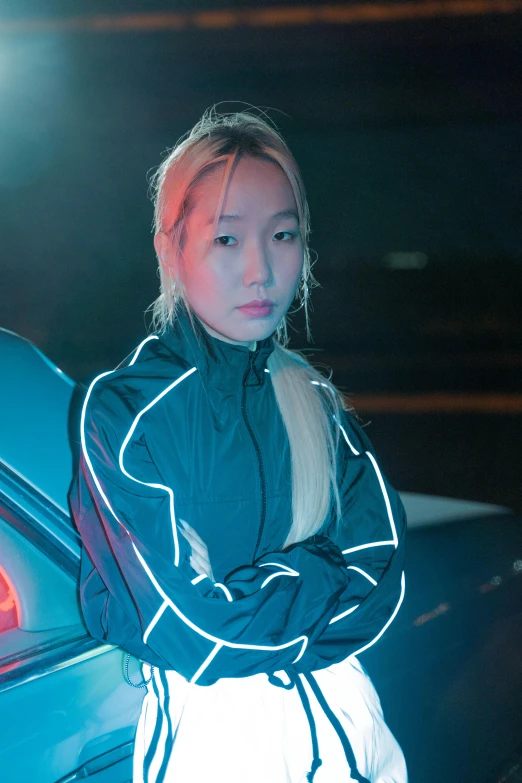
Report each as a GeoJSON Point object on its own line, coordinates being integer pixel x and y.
{"type": "Point", "coordinates": [222, 365]}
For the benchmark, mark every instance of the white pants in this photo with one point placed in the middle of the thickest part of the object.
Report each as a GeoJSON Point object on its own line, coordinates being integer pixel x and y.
{"type": "Point", "coordinates": [247, 730]}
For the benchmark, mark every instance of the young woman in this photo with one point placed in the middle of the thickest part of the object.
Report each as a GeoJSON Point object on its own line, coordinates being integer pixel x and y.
{"type": "Point", "coordinates": [239, 537]}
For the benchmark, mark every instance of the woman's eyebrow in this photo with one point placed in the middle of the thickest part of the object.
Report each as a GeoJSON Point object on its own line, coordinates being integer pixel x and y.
{"type": "Point", "coordinates": [284, 213]}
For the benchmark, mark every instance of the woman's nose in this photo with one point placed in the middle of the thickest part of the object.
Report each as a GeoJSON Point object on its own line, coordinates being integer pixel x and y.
{"type": "Point", "coordinates": [257, 267]}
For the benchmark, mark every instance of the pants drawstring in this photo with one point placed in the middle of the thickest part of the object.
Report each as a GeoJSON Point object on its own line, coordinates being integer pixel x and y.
{"type": "Point", "coordinates": [316, 760]}
{"type": "Point", "coordinates": [348, 750]}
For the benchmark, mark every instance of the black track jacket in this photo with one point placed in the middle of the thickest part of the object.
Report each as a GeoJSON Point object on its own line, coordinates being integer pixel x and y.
{"type": "Point", "coordinates": [175, 434]}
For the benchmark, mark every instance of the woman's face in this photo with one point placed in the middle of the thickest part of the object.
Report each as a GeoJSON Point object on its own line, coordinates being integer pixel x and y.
{"type": "Point", "coordinates": [255, 254]}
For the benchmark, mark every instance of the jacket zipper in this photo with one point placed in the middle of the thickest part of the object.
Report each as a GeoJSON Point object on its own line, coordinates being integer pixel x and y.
{"type": "Point", "coordinates": [256, 446]}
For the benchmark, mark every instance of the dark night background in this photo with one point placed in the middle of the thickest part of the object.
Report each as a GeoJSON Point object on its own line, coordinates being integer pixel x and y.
{"type": "Point", "coordinates": [406, 123]}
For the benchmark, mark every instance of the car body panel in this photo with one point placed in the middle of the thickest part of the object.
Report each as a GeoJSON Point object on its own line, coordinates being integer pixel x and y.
{"type": "Point", "coordinates": [449, 670]}
{"type": "Point", "coordinates": [66, 715]}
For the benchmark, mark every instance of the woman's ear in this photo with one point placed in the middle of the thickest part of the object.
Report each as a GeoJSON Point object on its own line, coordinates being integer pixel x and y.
{"type": "Point", "coordinates": [163, 247]}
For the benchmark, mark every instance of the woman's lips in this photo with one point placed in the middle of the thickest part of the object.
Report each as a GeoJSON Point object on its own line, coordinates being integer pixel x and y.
{"type": "Point", "coordinates": [257, 311]}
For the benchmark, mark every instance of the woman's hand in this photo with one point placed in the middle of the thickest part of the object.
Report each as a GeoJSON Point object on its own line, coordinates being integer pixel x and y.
{"type": "Point", "coordinates": [199, 559]}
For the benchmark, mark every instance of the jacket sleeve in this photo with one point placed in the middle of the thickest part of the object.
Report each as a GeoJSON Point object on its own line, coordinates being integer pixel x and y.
{"type": "Point", "coordinates": [139, 591]}
{"type": "Point", "coordinates": [371, 539]}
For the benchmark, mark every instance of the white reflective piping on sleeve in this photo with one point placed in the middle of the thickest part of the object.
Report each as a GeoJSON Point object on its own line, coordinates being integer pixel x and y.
{"type": "Point", "coordinates": [287, 571]}
{"type": "Point", "coordinates": [303, 640]}
{"type": "Point", "coordinates": [154, 621]}
{"type": "Point", "coordinates": [390, 620]}
{"type": "Point", "coordinates": [82, 426]}
{"type": "Point", "coordinates": [388, 623]}
{"type": "Point", "coordinates": [211, 637]}
{"type": "Point", "coordinates": [340, 616]}
{"type": "Point", "coordinates": [347, 439]}
{"type": "Point", "coordinates": [198, 579]}
{"type": "Point", "coordinates": [368, 546]}
{"type": "Point", "coordinates": [386, 498]}
{"type": "Point", "coordinates": [278, 573]}
{"type": "Point", "coordinates": [395, 540]}
{"type": "Point", "coordinates": [356, 568]}
{"type": "Point", "coordinates": [225, 590]}
{"type": "Point", "coordinates": [206, 663]}
{"type": "Point", "coordinates": [84, 448]}
{"type": "Point", "coordinates": [280, 565]}
{"type": "Point", "coordinates": [140, 346]}
{"type": "Point", "coordinates": [157, 486]}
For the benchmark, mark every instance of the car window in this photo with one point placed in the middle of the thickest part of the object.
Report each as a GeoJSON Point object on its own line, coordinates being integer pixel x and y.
{"type": "Point", "coordinates": [41, 521]}
{"type": "Point", "coordinates": [38, 597]}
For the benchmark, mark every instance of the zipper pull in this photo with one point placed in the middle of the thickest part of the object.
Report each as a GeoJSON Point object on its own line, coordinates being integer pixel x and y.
{"type": "Point", "coordinates": [251, 377]}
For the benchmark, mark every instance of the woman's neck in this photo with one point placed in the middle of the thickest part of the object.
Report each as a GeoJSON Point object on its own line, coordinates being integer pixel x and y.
{"type": "Point", "coordinates": [252, 345]}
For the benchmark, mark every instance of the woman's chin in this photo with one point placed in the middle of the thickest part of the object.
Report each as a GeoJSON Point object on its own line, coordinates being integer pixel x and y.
{"type": "Point", "coordinates": [244, 329]}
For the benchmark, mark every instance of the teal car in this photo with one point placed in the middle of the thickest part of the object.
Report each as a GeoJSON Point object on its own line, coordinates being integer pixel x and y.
{"type": "Point", "coordinates": [447, 671]}
{"type": "Point", "coordinates": [67, 712]}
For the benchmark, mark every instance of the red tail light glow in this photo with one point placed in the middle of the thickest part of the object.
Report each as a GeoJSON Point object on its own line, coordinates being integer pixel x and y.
{"type": "Point", "coordinates": [9, 614]}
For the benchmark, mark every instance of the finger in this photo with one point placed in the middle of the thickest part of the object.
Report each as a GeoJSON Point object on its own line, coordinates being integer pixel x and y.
{"type": "Point", "coordinates": [203, 563]}
{"type": "Point", "coordinates": [198, 547]}
{"type": "Point", "coordinates": [199, 560]}
{"type": "Point", "coordinates": [186, 537]}
{"type": "Point", "coordinates": [192, 540]}
{"type": "Point", "coordinates": [200, 567]}
{"type": "Point", "coordinates": [194, 563]}
{"type": "Point", "coordinates": [203, 560]}
{"type": "Point", "coordinates": [191, 543]}
{"type": "Point", "coordinates": [192, 532]}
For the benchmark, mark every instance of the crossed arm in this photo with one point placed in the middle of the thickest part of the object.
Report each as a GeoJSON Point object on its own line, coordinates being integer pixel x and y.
{"type": "Point", "coordinates": [309, 606]}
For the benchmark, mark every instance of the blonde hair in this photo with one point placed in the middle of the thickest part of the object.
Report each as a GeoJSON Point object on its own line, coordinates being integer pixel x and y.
{"type": "Point", "coordinates": [308, 402]}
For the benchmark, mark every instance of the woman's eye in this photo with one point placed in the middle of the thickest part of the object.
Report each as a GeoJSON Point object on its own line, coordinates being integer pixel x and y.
{"type": "Point", "coordinates": [290, 234]}
{"type": "Point", "coordinates": [225, 236]}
